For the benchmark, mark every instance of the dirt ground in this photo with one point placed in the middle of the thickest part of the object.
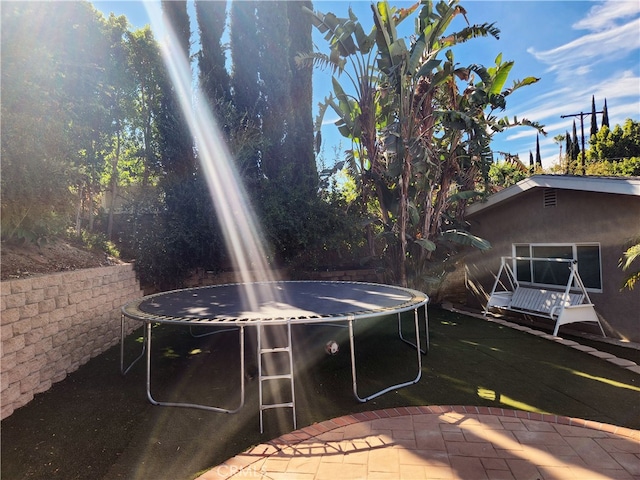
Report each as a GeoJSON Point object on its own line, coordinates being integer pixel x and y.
{"type": "Point", "coordinates": [28, 259]}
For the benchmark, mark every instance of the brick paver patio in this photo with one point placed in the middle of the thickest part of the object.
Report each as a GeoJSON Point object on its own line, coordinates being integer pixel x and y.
{"type": "Point", "coordinates": [443, 443]}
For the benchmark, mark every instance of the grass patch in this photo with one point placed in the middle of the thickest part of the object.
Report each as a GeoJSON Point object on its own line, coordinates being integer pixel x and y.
{"type": "Point", "coordinates": [99, 424]}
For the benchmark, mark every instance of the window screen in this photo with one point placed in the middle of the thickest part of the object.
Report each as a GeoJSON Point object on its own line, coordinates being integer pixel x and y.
{"type": "Point", "coordinates": [523, 267]}
{"type": "Point", "coordinates": [549, 272]}
{"type": "Point", "coordinates": [544, 272]}
{"type": "Point", "coordinates": [589, 265]}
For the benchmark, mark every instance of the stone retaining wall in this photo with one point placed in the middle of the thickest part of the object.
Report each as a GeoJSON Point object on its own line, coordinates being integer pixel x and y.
{"type": "Point", "coordinates": [52, 324]}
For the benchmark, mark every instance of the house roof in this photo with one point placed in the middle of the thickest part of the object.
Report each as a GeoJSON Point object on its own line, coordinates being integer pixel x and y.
{"type": "Point", "coordinates": [614, 185]}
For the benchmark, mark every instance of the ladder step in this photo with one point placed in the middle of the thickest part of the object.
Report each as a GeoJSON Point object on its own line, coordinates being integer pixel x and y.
{"type": "Point", "coordinates": [267, 406]}
{"type": "Point", "coordinates": [275, 377]}
{"type": "Point", "coordinates": [278, 366]}
{"type": "Point", "coordinates": [275, 350]}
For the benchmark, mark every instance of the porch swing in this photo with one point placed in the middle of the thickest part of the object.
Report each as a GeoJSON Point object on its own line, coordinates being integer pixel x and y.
{"type": "Point", "coordinates": [562, 306]}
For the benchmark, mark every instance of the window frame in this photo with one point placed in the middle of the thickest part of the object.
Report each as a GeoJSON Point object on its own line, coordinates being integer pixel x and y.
{"type": "Point", "coordinates": [574, 256]}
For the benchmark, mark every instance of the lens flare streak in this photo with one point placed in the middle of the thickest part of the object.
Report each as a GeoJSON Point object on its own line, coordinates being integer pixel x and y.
{"type": "Point", "coordinates": [242, 234]}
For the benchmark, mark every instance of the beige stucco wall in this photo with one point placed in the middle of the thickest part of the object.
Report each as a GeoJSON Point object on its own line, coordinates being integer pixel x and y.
{"type": "Point", "coordinates": [579, 217]}
{"type": "Point", "coordinates": [53, 324]}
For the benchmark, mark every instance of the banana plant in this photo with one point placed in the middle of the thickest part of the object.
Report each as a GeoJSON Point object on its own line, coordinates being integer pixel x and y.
{"type": "Point", "coordinates": [359, 102]}
{"type": "Point", "coordinates": [440, 137]}
{"type": "Point", "coordinates": [420, 123]}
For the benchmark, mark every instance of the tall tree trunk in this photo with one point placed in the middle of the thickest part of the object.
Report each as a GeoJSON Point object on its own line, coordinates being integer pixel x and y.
{"type": "Point", "coordinates": [79, 211]}
{"type": "Point", "coordinates": [403, 218]}
{"type": "Point", "coordinates": [90, 209]}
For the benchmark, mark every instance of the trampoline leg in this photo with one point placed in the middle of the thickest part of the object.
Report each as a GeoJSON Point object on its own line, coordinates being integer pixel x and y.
{"type": "Point", "coordinates": [426, 324]}
{"type": "Point", "coordinates": [147, 328]}
{"type": "Point", "coordinates": [196, 405]}
{"type": "Point", "coordinates": [124, 370]}
{"type": "Point", "coordinates": [392, 387]}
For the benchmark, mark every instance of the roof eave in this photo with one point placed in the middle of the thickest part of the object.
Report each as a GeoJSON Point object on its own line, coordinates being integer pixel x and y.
{"type": "Point", "coordinates": [614, 185]}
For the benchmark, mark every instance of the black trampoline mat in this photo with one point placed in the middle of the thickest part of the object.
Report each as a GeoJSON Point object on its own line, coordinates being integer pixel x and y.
{"type": "Point", "coordinates": [301, 301]}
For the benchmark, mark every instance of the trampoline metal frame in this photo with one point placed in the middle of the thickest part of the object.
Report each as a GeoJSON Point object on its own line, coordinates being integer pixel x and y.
{"type": "Point", "coordinates": [130, 311]}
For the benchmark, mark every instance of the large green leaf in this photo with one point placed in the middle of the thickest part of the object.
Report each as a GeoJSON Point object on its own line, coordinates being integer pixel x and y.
{"type": "Point", "coordinates": [428, 245]}
{"type": "Point", "coordinates": [343, 101]}
{"type": "Point", "coordinates": [427, 67]}
{"type": "Point", "coordinates": [365, 42]}
{"type": "Point", "coordinates": [414, 214]}
{"type": "Point", "coordinates": [520, 83]}
{"type": "Point", "coordinates": [482, 72]}
{"type": "Point", "coordinates": [465, 238]}
{"type": "Point", "coordinates": [464, 195]}
{"type": "Point", "coordinates": [417, 51]}
{"type": "Point", "coordinates": [322, 108]}
{"type": "Point", "coordinates": [501, 77]}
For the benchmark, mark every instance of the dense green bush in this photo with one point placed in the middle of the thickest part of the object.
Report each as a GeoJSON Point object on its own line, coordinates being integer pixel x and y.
{"type": "Point", "coordinates": [309, 232]}
{"type": "Point", "coordinates": [166, 245]}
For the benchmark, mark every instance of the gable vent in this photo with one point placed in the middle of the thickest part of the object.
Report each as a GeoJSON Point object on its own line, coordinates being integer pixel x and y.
{"type": "Point", "coordinates": [549, 197]}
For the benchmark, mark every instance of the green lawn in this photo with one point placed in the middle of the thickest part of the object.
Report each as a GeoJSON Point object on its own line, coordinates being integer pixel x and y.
{"type": "Point", "coordinates": [97, 424]}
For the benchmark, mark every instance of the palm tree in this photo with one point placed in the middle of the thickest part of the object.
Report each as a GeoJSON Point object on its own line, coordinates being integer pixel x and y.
{"type": "Point", "coordinates": [559, 139]}
{"type": "Point", "coordinates": [628, 257]}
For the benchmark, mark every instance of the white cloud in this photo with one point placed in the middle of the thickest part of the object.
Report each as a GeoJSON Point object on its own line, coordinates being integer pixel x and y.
{"type": "Point", "coordinates": [613, 32]}
{"type": "Point", "coordinates": [604, 17]}
{"type": "Point", "coordinates": [588, 50]}
{"type": "Point", "coordinates": [599, 60]}
{"type": "Point", "coordinates": [620, 88]}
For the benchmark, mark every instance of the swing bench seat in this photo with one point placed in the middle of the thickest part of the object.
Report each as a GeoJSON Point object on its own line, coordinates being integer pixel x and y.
{"type": "Point", "coordinates": [562, 307]}
{"type": "Point", "coordinates": [546, 303]}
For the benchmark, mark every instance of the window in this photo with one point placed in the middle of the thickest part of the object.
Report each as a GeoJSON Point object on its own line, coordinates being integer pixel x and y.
{"type": "Point", "coordinates": [543, 272]}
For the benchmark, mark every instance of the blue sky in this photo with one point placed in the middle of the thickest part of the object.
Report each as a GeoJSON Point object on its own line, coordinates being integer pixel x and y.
{"type": "Point", "coordinates": [578, 49]}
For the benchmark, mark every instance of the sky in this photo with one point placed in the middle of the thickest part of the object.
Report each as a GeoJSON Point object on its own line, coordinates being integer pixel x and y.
{"type": "Point", "coordinates": [578, 49]}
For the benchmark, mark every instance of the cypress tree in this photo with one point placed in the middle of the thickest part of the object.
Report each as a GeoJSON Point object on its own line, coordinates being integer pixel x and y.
{"type": "Point", "coordinates": [176, 141]}
{"type": "Point", "coordinates": [244, 74]}
{"type": "Point", "coordinates": [244, 53]}
{"type": "Point", "coordinates": [605, 115]}
{"type": "Point", "coordinates": [300, 141]}
{"type": "Point", "coordinates": [568, 150]}
{"type": "Point", "coordinates": [531, 167]}
{"type": "Point", "coordinates": [214, 78]}
{"type": "Point", "coordinates": [538, 157]}
{"type": "Point", "coordinates": [183, 194]}
{"type": "Point", "coordinates": [276, 94]}
{"type": "Point", "coordinates": [594, 120]}
{"type": "Point", "coordinates": [275, 87]}
{"type": "Point", "coordinates": [575, 151]}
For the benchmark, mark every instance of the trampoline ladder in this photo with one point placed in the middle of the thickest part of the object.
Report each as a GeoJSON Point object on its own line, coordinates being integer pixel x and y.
{"type": "Point", "coordinates": [264, 351]}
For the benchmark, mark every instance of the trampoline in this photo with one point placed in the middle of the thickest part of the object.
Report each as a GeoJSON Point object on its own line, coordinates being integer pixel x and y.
{"type": "Point", "coordinates": [267, 304]}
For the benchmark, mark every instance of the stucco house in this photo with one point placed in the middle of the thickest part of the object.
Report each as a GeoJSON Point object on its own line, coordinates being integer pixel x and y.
{"type": "Point", "coordinates": [588, 219]}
